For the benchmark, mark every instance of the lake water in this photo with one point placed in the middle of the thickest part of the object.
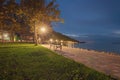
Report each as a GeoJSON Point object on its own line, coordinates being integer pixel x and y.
{"type": "Point", "coordinates": [100, 43]}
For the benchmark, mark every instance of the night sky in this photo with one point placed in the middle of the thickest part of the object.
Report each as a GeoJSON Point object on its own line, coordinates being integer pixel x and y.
{"type": "Point", "coordinates": [89, 17]}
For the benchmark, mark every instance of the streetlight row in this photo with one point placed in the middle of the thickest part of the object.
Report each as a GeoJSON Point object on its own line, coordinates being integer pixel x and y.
{"type": "Point", "coordinates": [51, 40]}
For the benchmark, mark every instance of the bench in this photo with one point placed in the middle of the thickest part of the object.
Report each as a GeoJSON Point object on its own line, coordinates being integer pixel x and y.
{"type": "Point", "coordinates": [58, 46]}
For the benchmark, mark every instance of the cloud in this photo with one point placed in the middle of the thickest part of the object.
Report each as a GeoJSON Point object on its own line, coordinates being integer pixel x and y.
{"type": "Point", "coordinates": [117, 32]}
{"type": "Point", "coordinates": [72, 35]}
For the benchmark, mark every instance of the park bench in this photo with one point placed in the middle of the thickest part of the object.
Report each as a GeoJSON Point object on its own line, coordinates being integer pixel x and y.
{"type": "Point", "coordinates": [56, 45]}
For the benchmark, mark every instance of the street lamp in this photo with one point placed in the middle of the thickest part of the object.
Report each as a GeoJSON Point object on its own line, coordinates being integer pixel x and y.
{"type": "Point", "coordinates": [51, 40]}
{"type": "Point", "coordinates": [43, 29]}
{"type": "Point", "coordinates": [40, 34]}
{"type": "Point", "coordinates": [5, 35]}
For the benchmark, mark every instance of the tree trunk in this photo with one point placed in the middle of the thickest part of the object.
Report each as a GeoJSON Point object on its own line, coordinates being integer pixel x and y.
{"type": "Point", "coordinates": [35, 35]}
{"type": "Point", "coordinates": [21, 38]}
{"type": "Point", "coordinates": [12, 36]}
{"type": "Point", "coordinates": [2, 36]}
{"type": "Point", "coordinates": [33, 39]}
{"type": "Point", "coordinates": [36, 41]}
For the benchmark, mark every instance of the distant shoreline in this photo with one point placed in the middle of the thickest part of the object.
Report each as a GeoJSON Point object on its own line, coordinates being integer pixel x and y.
{"type": "Point", "coordinates": [109, 48]}
{"type": "Point", "coordinates": [110, 53]}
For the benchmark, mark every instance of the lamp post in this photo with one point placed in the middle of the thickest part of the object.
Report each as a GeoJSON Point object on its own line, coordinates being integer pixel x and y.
{"type": "Point", "coordinates": [42, 31]}
{"type": "Point", "coordinates": [35, 34]}
{"type": "Point", "coordinates": [38, 30]}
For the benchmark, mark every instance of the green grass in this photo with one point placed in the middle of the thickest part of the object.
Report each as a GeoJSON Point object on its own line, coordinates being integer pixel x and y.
{"type": "Point", "coordinates": [27, 62]}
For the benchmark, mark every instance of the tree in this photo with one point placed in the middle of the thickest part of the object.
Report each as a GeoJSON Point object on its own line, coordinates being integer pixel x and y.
{"type": "Point", "coordinates": [39, 12]}
{"type": "Point", "coordinates": [8, 17]}
{"type": "Point", "coordinates": [2, 16]}
{"type": "Point", "coordinates": [12, 20]}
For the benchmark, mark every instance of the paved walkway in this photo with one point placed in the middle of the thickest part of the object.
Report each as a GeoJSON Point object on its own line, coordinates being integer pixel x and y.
{"type": "Point", "coordinates": [100, 61]}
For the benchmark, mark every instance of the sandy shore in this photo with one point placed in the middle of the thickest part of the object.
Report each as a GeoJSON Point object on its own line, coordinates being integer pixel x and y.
{"type": "Point", "coordinates": [100, 61]}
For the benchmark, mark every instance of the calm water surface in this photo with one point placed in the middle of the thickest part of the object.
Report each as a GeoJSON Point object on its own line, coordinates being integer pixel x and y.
{"type": "Point", "coordinates": [100, 43]}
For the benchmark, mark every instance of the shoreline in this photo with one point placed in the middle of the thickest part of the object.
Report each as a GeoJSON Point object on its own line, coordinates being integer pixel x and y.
{"type": "Point", "coordinates": [105, 52]}
{"type": "Point", "coordinates": [107, 63]}
{"type": "Point", "coordinates": [101, 51]}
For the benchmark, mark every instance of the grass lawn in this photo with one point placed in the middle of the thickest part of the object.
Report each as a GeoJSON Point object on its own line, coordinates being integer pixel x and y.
{"type": "Point", "coordinates": [27, 62]}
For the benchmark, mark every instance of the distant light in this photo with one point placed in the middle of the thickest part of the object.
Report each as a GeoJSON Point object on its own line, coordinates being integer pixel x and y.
{"type": "Point", "coordinates": [56, 40]}
{"type": "Point", "coordinates": [61, 41]}
{"type": "Point", "coordinates": [51, 40]}
{"type": "Point", "coordinates": [5, 35]}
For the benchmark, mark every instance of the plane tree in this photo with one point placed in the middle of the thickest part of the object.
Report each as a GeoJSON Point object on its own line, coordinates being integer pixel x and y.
{"type": "Point", "coordinates": [8, 17]}
{"type": "Point", "coordinates": [39, 12]}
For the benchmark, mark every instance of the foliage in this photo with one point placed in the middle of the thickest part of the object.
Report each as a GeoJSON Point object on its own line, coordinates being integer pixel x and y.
{"type": "Point", "coordinates": [28, 15]}
{"type": "Point", "coordinates": [39, 13]}
{"type": "Point", "coordinates": [8, 17]}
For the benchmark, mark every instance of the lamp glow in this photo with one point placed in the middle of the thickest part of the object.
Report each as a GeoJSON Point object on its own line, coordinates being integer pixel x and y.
{"type": "Point", "coordinates": [0, 36]}
{"type": "Point", "coordinates": [51, 40]}
{"type": "Point", "coordinates": [5, 35]}
{"type": "Point", "coordinates": [56, 40]}
{"type": "Point", "coordinates": [61, 41]}
{"type": "Point", "coordinates": [43, 29]}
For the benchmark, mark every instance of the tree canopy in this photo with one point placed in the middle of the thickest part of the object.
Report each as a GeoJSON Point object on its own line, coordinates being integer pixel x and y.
{"type": "Point", "coordinates": [28, 13]}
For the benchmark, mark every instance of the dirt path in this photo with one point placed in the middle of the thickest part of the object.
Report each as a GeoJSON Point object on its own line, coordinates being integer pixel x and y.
{"type": "Point", "coordinates": [102, 62]}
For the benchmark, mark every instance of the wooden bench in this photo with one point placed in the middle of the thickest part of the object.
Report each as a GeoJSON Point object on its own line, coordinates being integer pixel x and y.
{"type": "Point", "coordinates": [58, 46]}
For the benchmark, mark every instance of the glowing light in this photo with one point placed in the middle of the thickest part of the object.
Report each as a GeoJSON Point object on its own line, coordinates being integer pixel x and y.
{"type": "Point", "coordinates": [56, 40]}
{"type": "Point", "coordinates": [61, 41]}
{"type": "Point", "coordinates": [0, 36]}
{"type": "Point", "coordinates": [43, 29]}
{"type": "Point", "coordinates": [51, 40]}
{"type": "Point", "coordinates": [5, 35]}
